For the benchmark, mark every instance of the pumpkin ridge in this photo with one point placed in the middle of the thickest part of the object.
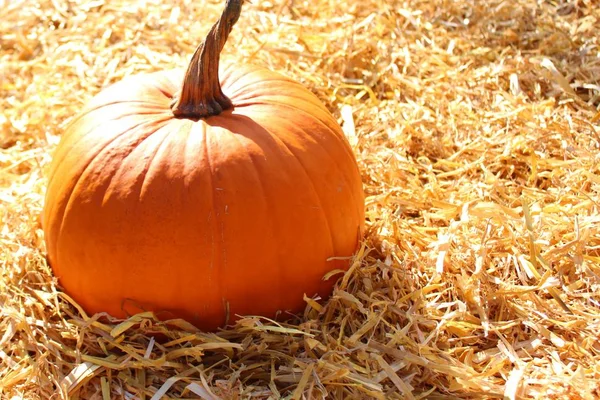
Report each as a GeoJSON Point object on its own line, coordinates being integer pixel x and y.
{"type": "Point", "coordinates": [84, 113]}
{"type": "Point", "coordinates": [115, 102]}
{"type": "Point", "coordinates": [341, 165]}
{"type": "Point", "coordinates": [233, 94]}
{"type": "Point", "coordinates": [271, 223]}
{"type": "Point", "coordinates": [312, 185]}
{"type": "Point", "coordinates": [57, 161]}
{"type": "Point", "coordinates": [338, 134]}
{"type": "Point", "coordinates": [72, 192]}
{"type": "Point", "coordinates": [259, 95]}
{"type": "Point", "coordinates": [182, 181]}
{"type": "Point", "coordinates": [216, 224]}
{"type": "Point", "coordinates": [341, 140]}
{"type": "Point", "coordinates": [109, 190]}
{"type": "Point", "coordinates": [152, 159]}
{"type": "Point", "coordinates": [163, 80]}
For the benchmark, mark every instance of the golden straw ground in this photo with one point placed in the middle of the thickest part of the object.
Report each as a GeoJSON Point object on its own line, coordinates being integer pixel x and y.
{"type": "Point", "coordinates": [477, 129]}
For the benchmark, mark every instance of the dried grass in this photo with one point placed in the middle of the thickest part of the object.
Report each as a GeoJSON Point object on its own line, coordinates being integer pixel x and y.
{"type": "Point", "coordinates": [477, 129]}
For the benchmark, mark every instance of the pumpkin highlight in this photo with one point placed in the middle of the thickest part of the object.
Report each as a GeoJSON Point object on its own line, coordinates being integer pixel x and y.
{"type": "Point", "coordinates": [225, 195]}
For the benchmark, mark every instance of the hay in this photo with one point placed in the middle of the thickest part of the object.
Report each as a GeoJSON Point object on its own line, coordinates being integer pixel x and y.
{"type": "Point", "coordinates": [477, 129]}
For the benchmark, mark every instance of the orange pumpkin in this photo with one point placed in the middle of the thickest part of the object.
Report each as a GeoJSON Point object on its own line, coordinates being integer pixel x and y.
{"type": "Point", "coordinates": [229, 200]}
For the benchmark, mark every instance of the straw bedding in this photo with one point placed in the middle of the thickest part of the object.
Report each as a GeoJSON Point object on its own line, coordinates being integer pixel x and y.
{"type": "Point", "coordinates": [477, 130]}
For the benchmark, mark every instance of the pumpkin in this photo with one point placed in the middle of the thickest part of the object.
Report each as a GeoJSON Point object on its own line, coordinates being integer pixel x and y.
{"type": "Point", "coordinates": [203, 194]}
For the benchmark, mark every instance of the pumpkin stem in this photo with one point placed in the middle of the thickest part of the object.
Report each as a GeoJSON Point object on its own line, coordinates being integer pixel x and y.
{"type": "Point", "coordinates": [201, 95]}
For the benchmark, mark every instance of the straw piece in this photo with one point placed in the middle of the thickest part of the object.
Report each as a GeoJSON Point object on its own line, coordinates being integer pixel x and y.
{"type": "Point", "coordinates": [148, 352]}
{"type": "Point", "coordinates": [348, 125]}
{"type": "Point", "coordinates": [202, 390]}
{"type": "Point", "coordinates": [303, 382]}
{"type": "Point", "coordinates": [312, 303]}
{"type": "Point", "coordinates": [105, 385]}
{"type": "Point", "coordinates": [560, 79]}
{"type": "Point", "coordinates": [79, 375]}
{"type": "Point", "coordinates": [165, 388]}
{"type": "Point", "coordinates": [400, 384]}
{"type": "Point", "coordinates": [125, 325]}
